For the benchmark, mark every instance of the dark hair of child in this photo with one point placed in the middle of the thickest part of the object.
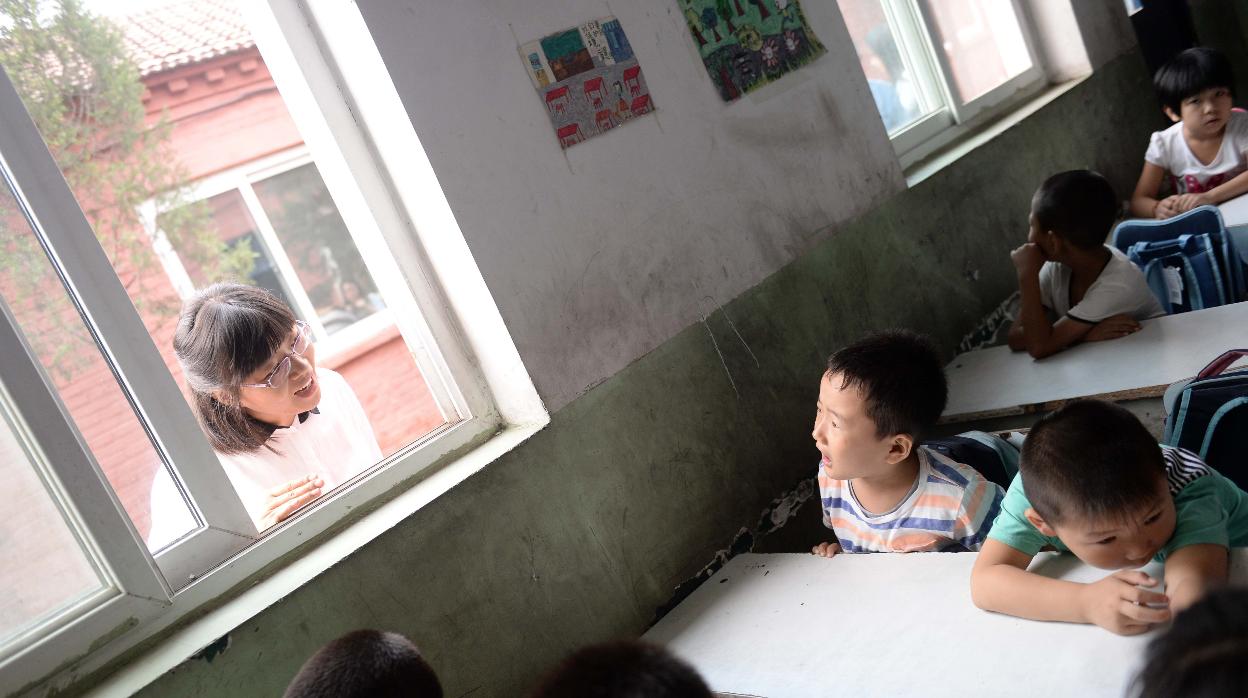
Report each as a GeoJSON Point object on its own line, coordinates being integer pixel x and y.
{"type": "Point", "coordinates": [622, 669]}
{"type": "Point", "coordinates": [1079, 205]}
{"type": "Point", "coordinates": [1090, 460]}
{"type": "Point", "coordinates": [366, 663]}
{"type": "Point", "coordinates": [901, 378]}
{"type": "Point", "coordinates": [1204, 654]}
{"type": "Point", "coordinates": [1190, 73]}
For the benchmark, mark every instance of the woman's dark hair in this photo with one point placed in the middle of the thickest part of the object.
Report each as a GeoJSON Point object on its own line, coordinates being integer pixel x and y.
{"type": "Point", "coordinates": [225, 333]}
{"type": "Point", "coordinates": [1190, 73]}
{"type": "Point", "coordinates": [1203, 655]}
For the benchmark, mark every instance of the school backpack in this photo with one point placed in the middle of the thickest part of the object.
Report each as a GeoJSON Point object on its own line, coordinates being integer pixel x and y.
{"type": "Point", "coordinates": [1189, 261]}
{"type": "Point", "coordinates": [1208, 415]}
{"type": "Point", "coordinates": [992, 456]}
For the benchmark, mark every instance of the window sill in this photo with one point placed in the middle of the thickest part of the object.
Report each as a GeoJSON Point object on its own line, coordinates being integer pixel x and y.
{"type": "Point", "coordinates": [950, 154]}
{"type": "Point", "coordinates": [171, 650]}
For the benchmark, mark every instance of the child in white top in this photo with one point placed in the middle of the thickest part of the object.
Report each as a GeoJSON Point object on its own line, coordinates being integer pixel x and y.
{"type": "Point", "coordinates": [1204, 155]}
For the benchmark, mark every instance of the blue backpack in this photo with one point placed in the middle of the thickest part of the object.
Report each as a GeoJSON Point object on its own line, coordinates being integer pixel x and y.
{"type": "Point", "coordinates": [1208, 415]}
{"type": "Point", "coordinates": [992, 456]}
{"type": "Point", "coordinates": [1189, 260]}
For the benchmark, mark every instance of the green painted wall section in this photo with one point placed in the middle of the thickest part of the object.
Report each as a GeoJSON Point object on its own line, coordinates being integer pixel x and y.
{"type": "Point", "coordinates": [579, 534]}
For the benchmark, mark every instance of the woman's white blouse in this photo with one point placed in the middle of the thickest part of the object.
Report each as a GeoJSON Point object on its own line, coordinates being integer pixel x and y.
{"type": "Point", "coordinates": [336, 443]}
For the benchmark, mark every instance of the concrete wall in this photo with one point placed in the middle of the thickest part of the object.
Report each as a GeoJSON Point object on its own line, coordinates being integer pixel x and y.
{"type": "Point", "coordinates": [584, 531]}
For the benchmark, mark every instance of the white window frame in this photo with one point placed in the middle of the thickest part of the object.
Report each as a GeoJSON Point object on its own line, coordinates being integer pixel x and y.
{"type": "Point", "coordinates": [915, 33]}
{"type": "Point", "coordinates": [332, 350]}
{"type": "Point", "coordinates": [391, 204]}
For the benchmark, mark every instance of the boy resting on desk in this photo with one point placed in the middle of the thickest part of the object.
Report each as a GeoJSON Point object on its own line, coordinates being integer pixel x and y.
{"type": "Point", "coordinates": [1065, 271]}
{"type": "Point", "coordinates": [881, 490]}
{"type": "Point", "coordinates": [1094, 482]}
{"type": "Point", "coordinates": [1205, 153]}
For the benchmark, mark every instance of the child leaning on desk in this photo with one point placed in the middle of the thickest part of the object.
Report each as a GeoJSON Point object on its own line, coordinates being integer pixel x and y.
{"type": "Point", "coordinates": [881, 491]}
{"type": "Point", "coordinates": [1066, 271]}
{"type": "Point", "coordinates": [1094, 482]}
{"type": "Point", "coordinates": [1205, 152]}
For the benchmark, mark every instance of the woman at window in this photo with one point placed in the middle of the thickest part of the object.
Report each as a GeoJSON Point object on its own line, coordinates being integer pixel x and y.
{"type": "Point", "coordinates": [284, 430]}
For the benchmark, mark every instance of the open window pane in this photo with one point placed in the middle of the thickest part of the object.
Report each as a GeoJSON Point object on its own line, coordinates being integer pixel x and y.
{"type": "Point", "coordinates": [42, 565]}
{"type": "Point", "coordinates": [891, 75]}
{"type": "Point", "coordinates": [166, 124]}
{"type": "Point", "coordinates": [982, 42]}
{"type": "Point", "coordinates": [83, 378]}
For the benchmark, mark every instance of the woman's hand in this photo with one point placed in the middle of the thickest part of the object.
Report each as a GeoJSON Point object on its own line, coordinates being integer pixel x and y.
{"type": "Point", "coordinates": [286, 499]}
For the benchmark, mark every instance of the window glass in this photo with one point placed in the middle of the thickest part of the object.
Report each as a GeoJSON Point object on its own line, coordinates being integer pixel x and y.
{"type": "Point", "coordinates": [142, 110]}
{"type": "Point", "coordinates": [42, 565]}
{"type": "Point", "coordinates": [82, 377]}
{"type": "Point", "coordinates": [982, 42]}
{"type": "Point", "coordinates": [890, 76]}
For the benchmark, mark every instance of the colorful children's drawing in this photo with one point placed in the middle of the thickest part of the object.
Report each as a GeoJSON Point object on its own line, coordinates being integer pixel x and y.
{"type": "Point", "coordinates": [746, 44]}
{"type": "Point", "coordinates": [589, 79]}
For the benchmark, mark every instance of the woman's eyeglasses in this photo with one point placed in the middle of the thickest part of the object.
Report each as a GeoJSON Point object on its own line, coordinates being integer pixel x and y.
{"type": "Point", "coordinates": [280, 374]}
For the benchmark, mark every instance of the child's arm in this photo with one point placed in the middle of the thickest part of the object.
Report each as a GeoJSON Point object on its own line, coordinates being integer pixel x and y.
{"type": "Point", "coordinates": [1000, 582]}
{"type": "Point", "coordinates": [1144, 202]}
{"type": "Point", "coordinates": [1192, 570]}
{"type": "Point", "coordinates": [826, 549]}
{"type": "Point", "coordinates": [1039, 338]}
{"type": "Point", "coordinates": [1223, 192]}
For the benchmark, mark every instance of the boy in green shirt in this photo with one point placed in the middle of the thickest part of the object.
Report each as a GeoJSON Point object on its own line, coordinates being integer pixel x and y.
{"type": "Point", "coordinates": [1099, 486]}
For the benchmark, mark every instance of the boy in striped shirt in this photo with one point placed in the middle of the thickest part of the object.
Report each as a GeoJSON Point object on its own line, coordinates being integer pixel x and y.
{"type": "Point", "coordinates": [1094, 482]}
{"type": "Point", "coordinates": [881, 490]}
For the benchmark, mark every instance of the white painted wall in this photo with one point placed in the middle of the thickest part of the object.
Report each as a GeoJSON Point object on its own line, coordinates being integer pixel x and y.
{"type": "Point", "coordinates": [597, 254]}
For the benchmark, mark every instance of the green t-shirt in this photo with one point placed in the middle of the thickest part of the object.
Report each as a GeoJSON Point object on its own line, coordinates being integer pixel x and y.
{"type": "Point", "coordinates": [1209, 509]}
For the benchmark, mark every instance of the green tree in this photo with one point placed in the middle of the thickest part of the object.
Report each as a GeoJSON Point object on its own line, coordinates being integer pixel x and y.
{"type": "Point", "coordinates": [84, 93]}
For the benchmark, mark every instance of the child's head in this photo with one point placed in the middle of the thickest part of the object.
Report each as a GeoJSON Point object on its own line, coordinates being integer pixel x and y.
{"type": "Point", "coordinates": [1204, 654]}
{"type": "Point", "coordinates": [625, 669]}
{"type": "Point", "coordinates": [1195, 88]}
{"type": "Point", "coordinates": [1096, 479]}
{"type": "Point", "coordinates": [877, 399]}
{"type": "Point", "coordinates": [1077, 206]}
{"type": "Point", "coordinates": [366, 664]}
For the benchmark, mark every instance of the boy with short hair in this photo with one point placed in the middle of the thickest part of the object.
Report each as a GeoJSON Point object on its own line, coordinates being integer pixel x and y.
{"type": "Point", "coordinates": [1095, 483]}
{"type": "Point", "coordinates": [881, 490]}
{"type": "Point", "coordinates": [1205, 153]}
{"type": "Point", "coordinates": [1066, 271]}
{"type": "Point", "coordinates": [366, 664]}
{"type": "Point", "coordinates": [622, 669]}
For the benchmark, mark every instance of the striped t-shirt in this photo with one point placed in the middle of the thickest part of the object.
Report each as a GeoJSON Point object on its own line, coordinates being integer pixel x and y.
{"type": "Point", "coordinates": [950, 507]}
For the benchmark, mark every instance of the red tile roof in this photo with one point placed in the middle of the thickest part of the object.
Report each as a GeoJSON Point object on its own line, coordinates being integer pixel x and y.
{"type": "Point", "coordinates": [181, 33]}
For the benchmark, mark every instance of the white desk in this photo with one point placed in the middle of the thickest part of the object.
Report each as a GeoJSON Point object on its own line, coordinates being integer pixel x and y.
{"type": "Point", "coordinates": [998, 382]}
{"type": "Point", "coordinates": [800, 626]}
{"type": "Point", "coordinates": [1235, 211]}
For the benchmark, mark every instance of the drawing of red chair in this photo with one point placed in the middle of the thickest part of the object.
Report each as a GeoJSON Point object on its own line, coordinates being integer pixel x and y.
{"type": "Point", "coordinates": [641, 105]}
{"type": "Point", "coordinates": [604, 119]}
{"type": "Point", "coordinates": [594, 92]}
{"type": "Point", "coordinates": [632, 79]}
{"type": "Point", "coordinates": [570, 135]}
{"type": "Point", "coordinates": [557, 100]}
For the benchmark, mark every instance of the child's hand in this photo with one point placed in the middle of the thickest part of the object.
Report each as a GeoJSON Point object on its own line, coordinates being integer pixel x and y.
{"type": "Point", "coordinates": [826, 549]}
{"type": "Point", "coordinates": [1187, 202]}
{"type": "Point", "coordinates": [1112, 328]}
{"type": "Point", "coordinates": [1167, 207]}
{"type": "Point", "coordinates": [1028, 258]}
{"type": "Point", "coordinates": [1118, 605]}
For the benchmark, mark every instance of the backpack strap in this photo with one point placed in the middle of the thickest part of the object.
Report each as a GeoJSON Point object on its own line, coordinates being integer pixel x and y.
{"type": "Point", "coordinates": [1221, 363]}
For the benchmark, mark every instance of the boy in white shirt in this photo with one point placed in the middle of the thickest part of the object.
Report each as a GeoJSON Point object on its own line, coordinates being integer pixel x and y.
{"type": "Point", "coordinates": [1204, 155]}
{"type": "Point", "coordinates": [1073, 287]}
